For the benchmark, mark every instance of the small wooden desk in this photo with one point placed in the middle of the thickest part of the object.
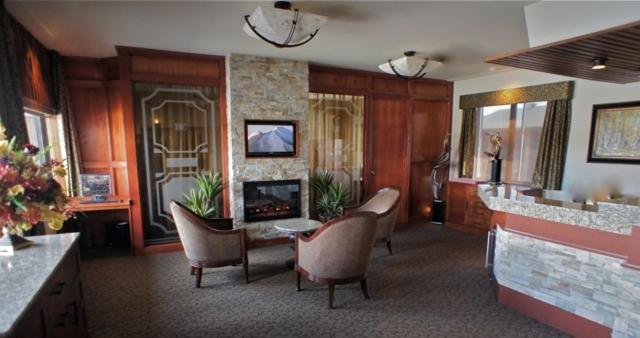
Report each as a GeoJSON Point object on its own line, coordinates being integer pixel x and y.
{"type": "Point", "coordinates": [113, 203]}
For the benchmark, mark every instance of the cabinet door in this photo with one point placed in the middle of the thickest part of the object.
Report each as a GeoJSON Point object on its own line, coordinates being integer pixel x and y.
{"type": "Point", "coordinates": [457, 203]}
{"type": "Point", "coordinates": [389, 148]}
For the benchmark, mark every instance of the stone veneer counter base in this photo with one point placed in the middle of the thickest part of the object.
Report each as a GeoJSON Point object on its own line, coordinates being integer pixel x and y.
{"type": "Point", "coordinates": [572, 261]}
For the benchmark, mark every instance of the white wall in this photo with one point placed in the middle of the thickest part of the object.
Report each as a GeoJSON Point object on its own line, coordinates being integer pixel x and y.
{"type": "Point", "coordinates": [580, 177]}
{"type": "Point", "coordinates": [551, 21]}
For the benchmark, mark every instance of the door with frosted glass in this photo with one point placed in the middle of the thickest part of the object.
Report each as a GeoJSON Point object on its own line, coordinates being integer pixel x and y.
{"type": "Point", "coordinates": [178, 136]}
{"type": "Point", "coordinates": [336, 128]}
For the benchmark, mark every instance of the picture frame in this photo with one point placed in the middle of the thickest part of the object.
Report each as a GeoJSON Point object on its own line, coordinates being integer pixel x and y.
{"type": "Point", "coordinates": [615, 133]}
{"type": "Point", "coordinates": [95, 185]}
{"type": "Point", "coordinates": [270, 138]}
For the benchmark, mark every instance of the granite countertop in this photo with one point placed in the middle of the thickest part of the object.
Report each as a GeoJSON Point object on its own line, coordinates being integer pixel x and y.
{"type": "Point", "coordinates": [23, 275]}
{"type": "Point", "coordinates": [616, 215]}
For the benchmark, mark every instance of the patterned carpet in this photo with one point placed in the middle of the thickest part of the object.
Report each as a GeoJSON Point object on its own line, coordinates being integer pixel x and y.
{"type": "Point", "coordinates": [434, 285]}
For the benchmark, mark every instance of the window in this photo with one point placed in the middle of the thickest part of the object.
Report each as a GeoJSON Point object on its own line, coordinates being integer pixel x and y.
{"type": "Point", "coordinates": [43, 132]}
{"type": "Point", "coordinates": [520, 126]}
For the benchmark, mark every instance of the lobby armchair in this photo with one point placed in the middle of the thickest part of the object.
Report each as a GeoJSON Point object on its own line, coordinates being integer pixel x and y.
{"type": "Point", "coordinates": [338, 252]}
{"type": "Point", "coordinates": [208, 243]}
{"type": "Point", "coordinates": [386, 204]}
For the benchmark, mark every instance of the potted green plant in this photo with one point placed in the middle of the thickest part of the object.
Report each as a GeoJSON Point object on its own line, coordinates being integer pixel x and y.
{"type": "Point", "coordinates": [331, 204]}
{"type": "Point", "coordinates": [202, 200]}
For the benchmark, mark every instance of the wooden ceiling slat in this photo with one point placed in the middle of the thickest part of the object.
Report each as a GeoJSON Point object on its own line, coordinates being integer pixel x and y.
{"type": "Point", "coordinates": [560, 56]}
{"type": "Point", "coordinates": [593, 53]}
{"type": "Point", "coordinates": [573, 57]}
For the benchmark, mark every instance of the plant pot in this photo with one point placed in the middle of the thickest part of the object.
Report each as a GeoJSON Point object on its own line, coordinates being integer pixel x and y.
{"type": "Point", "coordinates": [9, 243]}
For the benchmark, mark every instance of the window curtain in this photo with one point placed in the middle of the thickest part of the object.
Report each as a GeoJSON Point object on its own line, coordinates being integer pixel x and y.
{"type": "Point", "coordinates": [11, 105]}
{"type": "Point", "coordinates": [336, 127]}
{"type": "Point", "coordinates": [553, 146]}
{"type": "Point", "coordinates": [468, 142]}
{"type": "Point", "coordinates": [62, 102]}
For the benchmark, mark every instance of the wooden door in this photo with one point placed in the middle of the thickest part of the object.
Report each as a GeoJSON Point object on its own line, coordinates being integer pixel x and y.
{"type": "Point", "coordinates": [388, 148]}
{"type": "Point", "coordinates": [429, 128]}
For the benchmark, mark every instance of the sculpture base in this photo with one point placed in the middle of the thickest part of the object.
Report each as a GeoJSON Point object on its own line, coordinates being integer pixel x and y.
{"type": "Point", "coordinates": [438, 212]}
{"type": "Point", "coordinates": [496, 169]}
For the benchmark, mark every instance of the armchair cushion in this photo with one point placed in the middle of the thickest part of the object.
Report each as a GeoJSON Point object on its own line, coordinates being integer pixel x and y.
{"type": "Point", "coordinates": [204, 244]}
{"type": "Point", "coordinates": [338, 250]}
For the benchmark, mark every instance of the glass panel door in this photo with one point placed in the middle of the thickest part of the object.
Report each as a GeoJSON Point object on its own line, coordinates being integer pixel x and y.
{"type": "Point", "coordinates": [336, 129]}
{"type": "Point", "coordinates": [178, 135]}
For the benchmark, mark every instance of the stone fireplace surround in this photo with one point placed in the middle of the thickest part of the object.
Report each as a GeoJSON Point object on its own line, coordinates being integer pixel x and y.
{"type": "Point", "coordinates": [260, 88]}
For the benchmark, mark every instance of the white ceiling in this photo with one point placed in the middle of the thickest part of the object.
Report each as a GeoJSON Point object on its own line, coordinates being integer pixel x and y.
{"type": "Point", "coordinates": [358, 35]}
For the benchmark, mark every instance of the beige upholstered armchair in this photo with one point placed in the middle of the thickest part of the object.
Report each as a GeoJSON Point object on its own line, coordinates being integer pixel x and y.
{"type": "Point", "coordinates": [338, 252]}
{"type": "Point", "coordinates": [385, 203]}
{"type": "Point", "coordinates": [206, 244]}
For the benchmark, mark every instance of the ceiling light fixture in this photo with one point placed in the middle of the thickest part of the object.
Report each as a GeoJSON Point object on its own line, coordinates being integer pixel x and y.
{"type": "Point", "coordinates": [410, 67]}
{"type": "Point", "coordinates": [598, 63]}
{"type": "Point", "coordinates": [281, 26]}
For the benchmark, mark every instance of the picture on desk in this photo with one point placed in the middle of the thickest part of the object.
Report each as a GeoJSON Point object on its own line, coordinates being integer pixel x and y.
{"type": "Point", "coordinates": [95, 184]}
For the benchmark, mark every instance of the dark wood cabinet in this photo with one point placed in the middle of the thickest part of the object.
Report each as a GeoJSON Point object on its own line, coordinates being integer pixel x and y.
{"type": "Point", "coordinates": [58, 309]}
{"type": "Point", "coordinates": [465, 210]}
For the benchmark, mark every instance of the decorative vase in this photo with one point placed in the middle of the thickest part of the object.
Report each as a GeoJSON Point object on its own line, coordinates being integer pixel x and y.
{"type": "Point", "coordinates": [12, 242]}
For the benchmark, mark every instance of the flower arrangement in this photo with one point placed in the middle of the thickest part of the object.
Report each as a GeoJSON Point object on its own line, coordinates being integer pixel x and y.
{"type": "Point", "coordinates": [29, 191]}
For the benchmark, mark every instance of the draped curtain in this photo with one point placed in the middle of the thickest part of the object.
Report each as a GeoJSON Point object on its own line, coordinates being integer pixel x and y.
{"type": "Point", "coordinates": [11, 105]}
{"type": "Point", "coordinates": [62, 101]}
{"type": "Point", "coordinates": [468, 141]}
{"type": "Point", "coordinates": [553, 146]}
{"type": "Point", "coordinates": [336, 129]}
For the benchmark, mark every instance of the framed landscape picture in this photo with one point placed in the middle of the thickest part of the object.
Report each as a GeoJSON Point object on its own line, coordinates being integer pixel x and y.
{"type": "Point", "coordinates": [270, 138]}
{"type": "Point", "coordinates": [615, 133]}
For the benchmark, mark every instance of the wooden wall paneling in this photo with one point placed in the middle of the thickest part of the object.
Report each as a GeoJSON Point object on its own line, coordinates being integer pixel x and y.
{"type": "Point", "coordinates": [126, 94]}
{"type": "Point", "coordinates": [91, 112]}
{"type": "Point", "coordinates": [389, 147]}
{"type": "Point", "coordinates": [430, 125]}
{"type": "Point", "coordinates": [389, 86]}
{"type": "Point", "coordinates": [375, 86]}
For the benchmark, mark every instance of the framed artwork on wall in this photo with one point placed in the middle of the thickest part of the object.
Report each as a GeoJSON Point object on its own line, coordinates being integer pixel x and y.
{"type": "Point", "coordinates": [265, 138]}
{"type": "Point", "coordinates": [615, 133]}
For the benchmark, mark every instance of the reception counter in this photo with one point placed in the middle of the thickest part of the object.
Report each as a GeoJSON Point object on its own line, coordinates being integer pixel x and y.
{"type": "Point", "coordinates": [41, 289]}
{"type": "Point", "coordinates": [574, 266]}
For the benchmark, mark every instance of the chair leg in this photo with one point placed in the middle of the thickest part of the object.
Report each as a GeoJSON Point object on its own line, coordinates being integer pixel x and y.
{"type": "Point", "coordinates": [363, 286]}
{"type": "Point", "coordinates": [389, 247]}
{"type": "Point", "coordinates": [298, 284]}
{"type": "Point", "coordinates": [193, 271]}
{"type": "Point", "coordinates": [198, 277]}
{"type": "Point", "coordinates": [245, 267]}
{"type": "Point", "coordinates": [331, 291]}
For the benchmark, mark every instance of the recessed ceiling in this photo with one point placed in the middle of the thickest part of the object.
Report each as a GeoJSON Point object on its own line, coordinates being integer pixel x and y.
{"type": "Point", "coordinates": [359, 35]}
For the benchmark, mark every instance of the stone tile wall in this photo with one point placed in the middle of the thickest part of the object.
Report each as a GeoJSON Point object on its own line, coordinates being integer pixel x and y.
{"type": "Point", "coordinates": [265, 89]}
{"type": "Point", "coordinates": [591, 285]}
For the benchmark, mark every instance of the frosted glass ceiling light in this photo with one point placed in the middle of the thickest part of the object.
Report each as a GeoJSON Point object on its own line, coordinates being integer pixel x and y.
{"type": "Point", "coordinates": [410, 67]}
{"type": "Point", "coordinates": [282, 26]}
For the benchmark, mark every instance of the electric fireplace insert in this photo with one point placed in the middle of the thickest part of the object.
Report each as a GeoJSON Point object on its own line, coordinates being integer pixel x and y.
{"type": "Point", "coordinates": [266, 200]}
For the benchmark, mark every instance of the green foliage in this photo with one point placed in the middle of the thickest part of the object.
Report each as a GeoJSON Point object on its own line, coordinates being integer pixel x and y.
{"type": "Point", "coordinates": [202, 199]}
{"type": "Point", "coordinates": [331, 204]}
{"type": "Point", "coordinates": [321, 182]}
